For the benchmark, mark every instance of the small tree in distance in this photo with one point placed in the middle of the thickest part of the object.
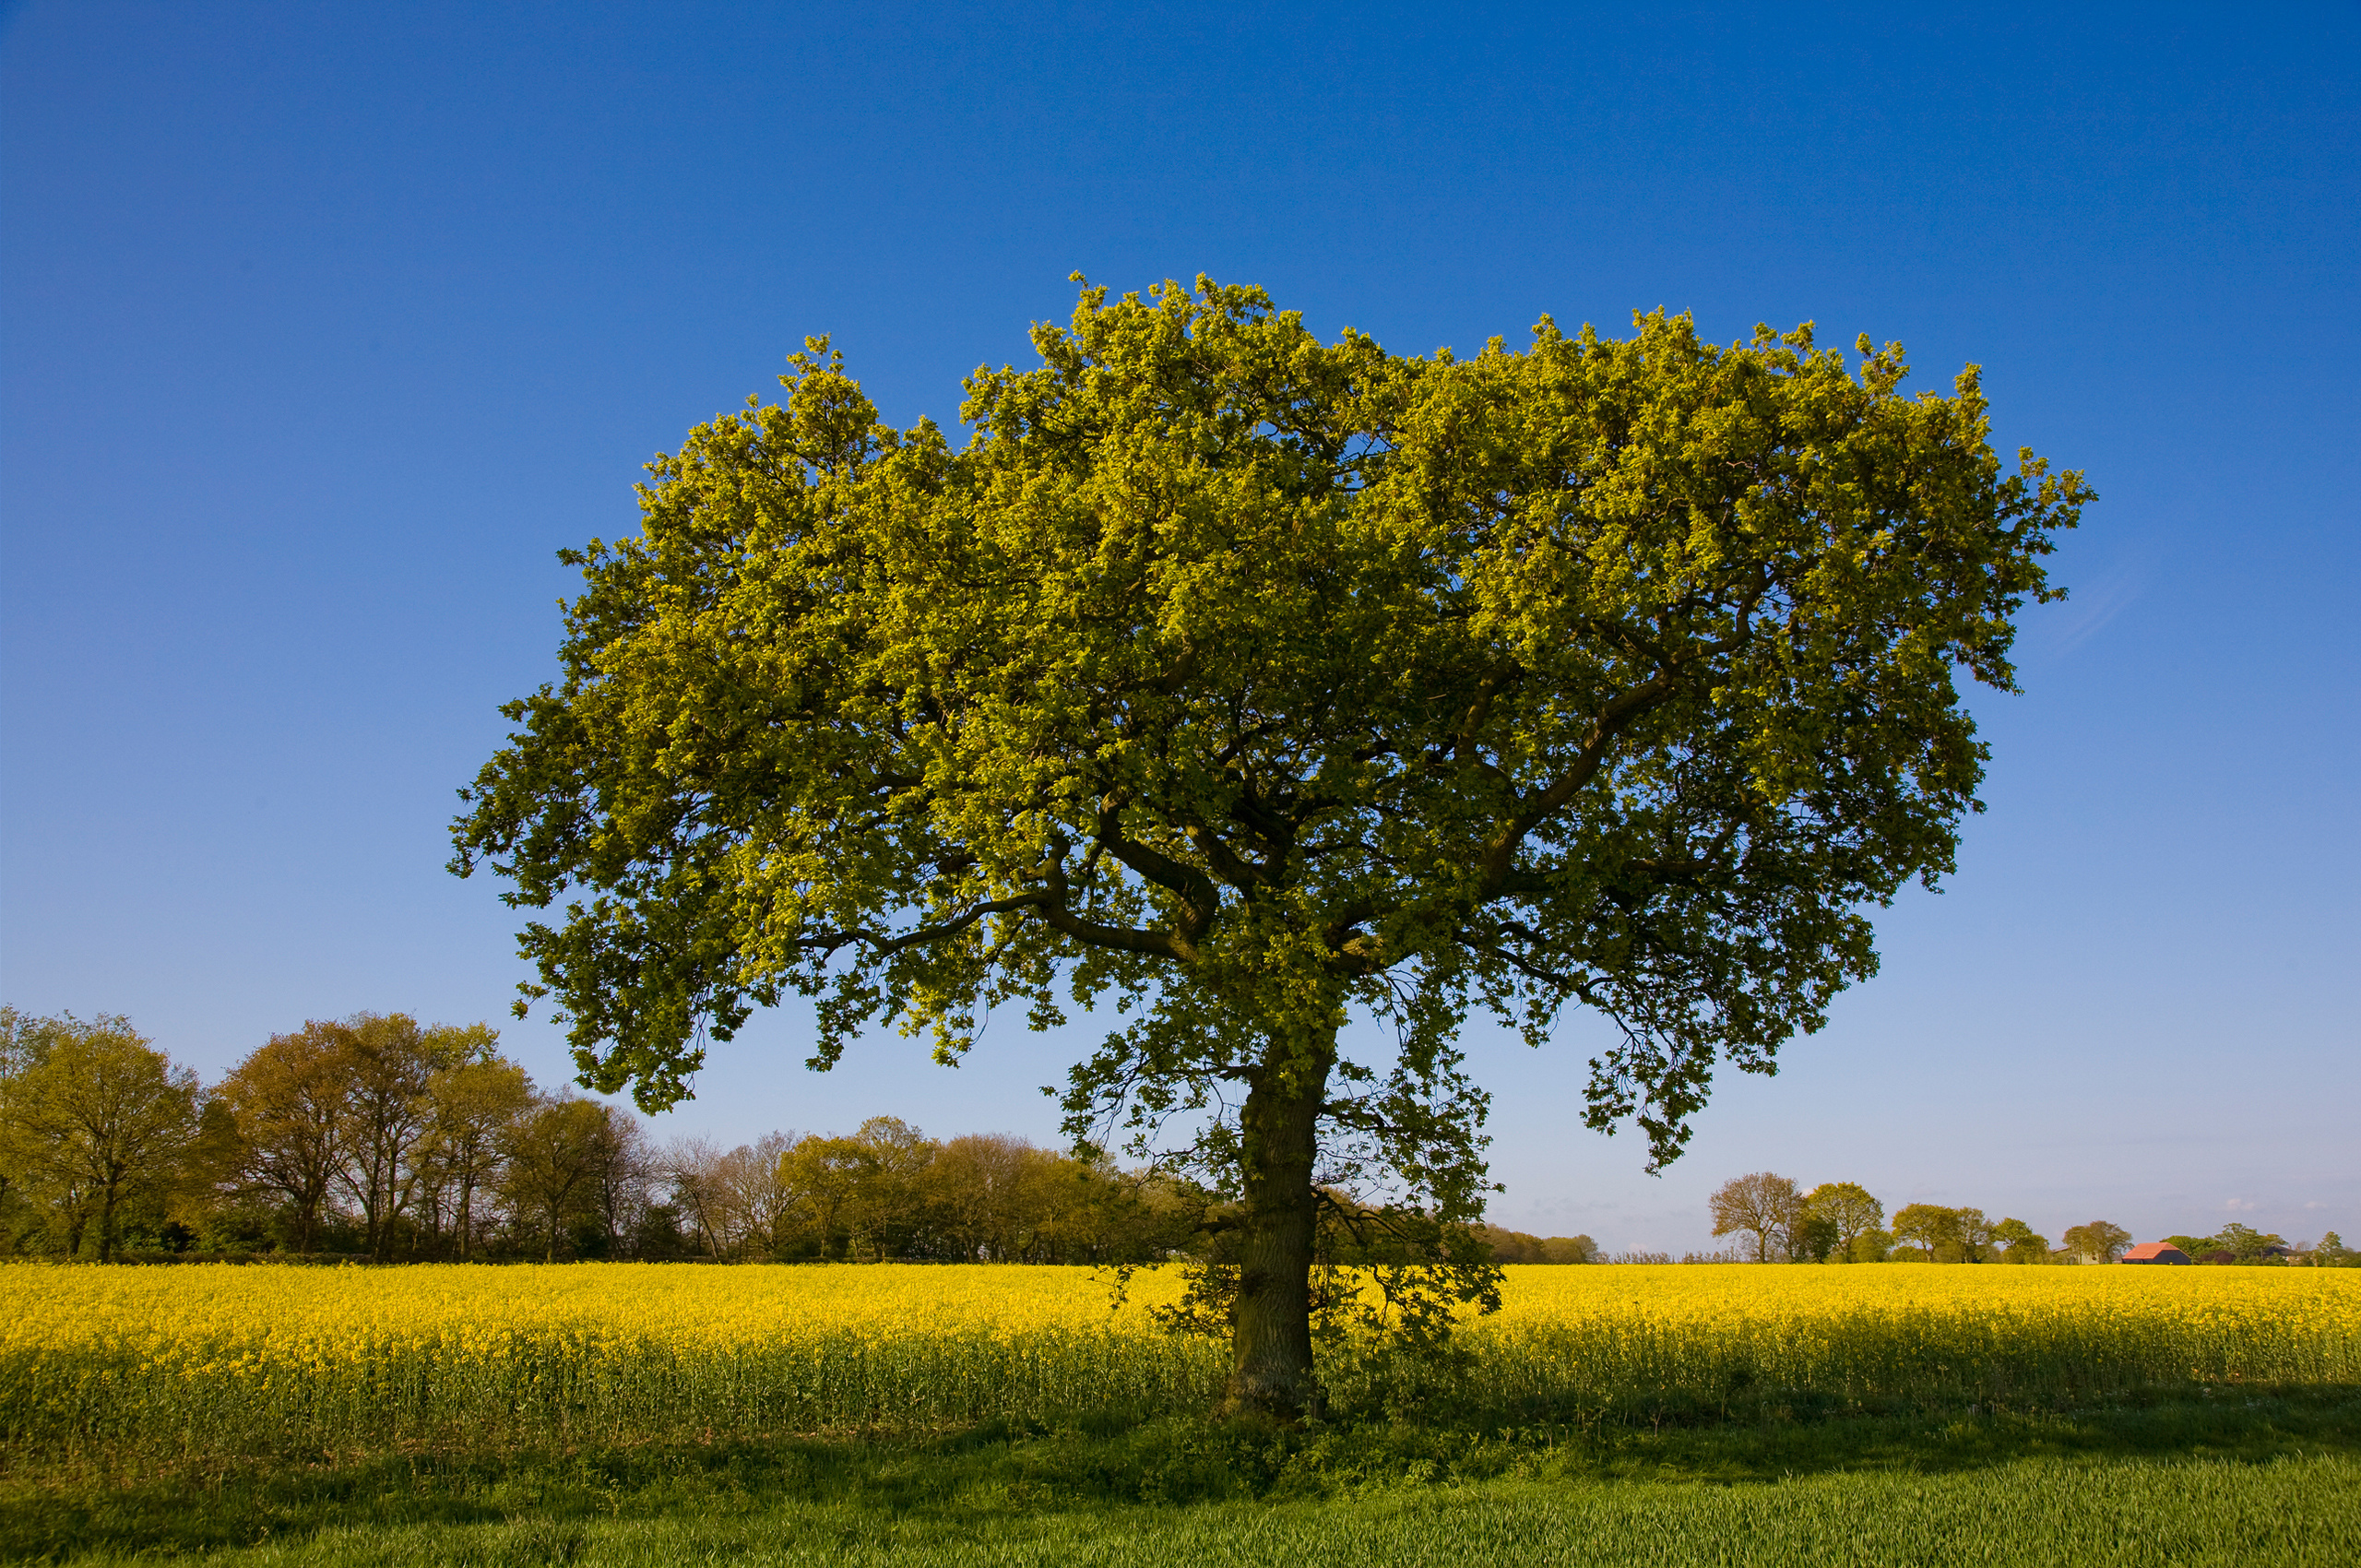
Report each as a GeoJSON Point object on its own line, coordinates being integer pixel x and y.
{"type": "Point", "coordinates": [2020, 1243]}
{"type": "Point", "coordinates": [2099, 1242]}
{"type": "Point", "coordinates": [1850, 1210]}
{"type": "Point", "coordinates": [1765, 1206]}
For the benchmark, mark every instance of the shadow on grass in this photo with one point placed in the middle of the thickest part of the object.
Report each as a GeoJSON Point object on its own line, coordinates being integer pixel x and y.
{"type": "Point", "coordinates": [988, 1473]}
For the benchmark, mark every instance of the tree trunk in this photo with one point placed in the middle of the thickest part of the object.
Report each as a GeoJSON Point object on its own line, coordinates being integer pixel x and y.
{"type": "Point", "coordinates": [106, 1221]}
{"type": "Point", "coordinates": [1271, 1323]}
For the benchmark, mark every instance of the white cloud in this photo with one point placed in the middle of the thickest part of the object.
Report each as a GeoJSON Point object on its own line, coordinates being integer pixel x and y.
{"type": "Point", "coordinates": [2240, 1205]}
{"type": "Point", "coordinates": [2068, 626]}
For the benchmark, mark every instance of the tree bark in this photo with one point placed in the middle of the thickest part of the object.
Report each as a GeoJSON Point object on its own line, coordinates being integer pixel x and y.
{"type": "Point", "coordinates": [106, 1222]}
{"type": "Point", "coordinates": [1271, 1371]}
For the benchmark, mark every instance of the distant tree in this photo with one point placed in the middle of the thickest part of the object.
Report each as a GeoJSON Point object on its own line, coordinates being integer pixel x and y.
{"type": "Point", "coordinates": [889, 1191]}
{"type": "Point", "coordinates": [824, 1175]}
{"type": "Point", "coordinates": [25, 1038]}
{"type": "Point", "coordinates": [210, 1180]}
{"type": "Point", "coordinates": [993, 1193]}
{"type": "Point", "coordinates": [1094, 1212]}
{"type": "Point", "coordinates": [1929, 1226]}
{"type": "Point", "coordinates": [1516, 1246]}
{"type": "Point", "coordinates": [625, 1177]}
{"type": "Point", "coordinates": [1945, 1235]}
{"type": "Point", "coordinates": [1508, 1246]}
{"type": "Point", "coordinates": [97, 1118]}
{"type": "Point", "coordinates": [2017, 1242]}
{"type": "Point", "coordinates": [1871, 1246]}
{"type": "Point", "coordinates": [1812, 1238]}
{"type": "Point", "coordinates": [1977, 1236]}
{"type": "Point", "coordinates": [2246, 1245]}
{"type": "Point", "coordinates": [685, 1165]}
{"type": "Point", "coordinates": [18, 1044]}
{"type": "Point", "coordinates": [737, 1202]}
{"type": "Point", "coordinates": [658, 1238]}
{"type": "Point", "coordinates": [392, 1060]}
{"type": "Point", "coordinates": [1848, 1208]}
{"type": "Point", "coordinates": [551, 1172]}
{"type": "Point", "coordinates": [761, 1206]}
{"type": "Point", "coordinates": [290, 1101]}
{"type": "Point", "coordinates": [471, 1106]}
{"type": "Point", "coordinates": [1765, 1206]}
{"type": "Point", "coordinates": [2099, 1242]}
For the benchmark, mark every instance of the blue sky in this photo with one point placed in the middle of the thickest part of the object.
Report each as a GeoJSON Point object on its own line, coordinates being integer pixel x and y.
{"type": "Point", "coordinates": [323, 328]}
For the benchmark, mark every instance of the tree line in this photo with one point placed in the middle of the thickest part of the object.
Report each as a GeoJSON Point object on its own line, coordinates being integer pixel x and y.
{"type": "Point", "coordinates": [378, 1136]}
{"type": "Point", "coordinates": [1843, 1222]}
{"type": "Point", "coordinates": [381, 1137]}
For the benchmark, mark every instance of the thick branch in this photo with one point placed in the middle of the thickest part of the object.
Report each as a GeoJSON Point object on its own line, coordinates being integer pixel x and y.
{"type": "Point", "coordinates": [1200, 899]}
{"type": "Point", "coordinates": [1500, 856]}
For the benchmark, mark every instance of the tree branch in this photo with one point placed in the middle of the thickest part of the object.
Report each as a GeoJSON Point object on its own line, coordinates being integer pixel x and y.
{"type": "Point", "coordinates": [1500, 856]}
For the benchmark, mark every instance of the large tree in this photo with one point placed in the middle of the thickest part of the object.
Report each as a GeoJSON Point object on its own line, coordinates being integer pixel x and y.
{"type": "Point", "coordinates": [1257, 681]}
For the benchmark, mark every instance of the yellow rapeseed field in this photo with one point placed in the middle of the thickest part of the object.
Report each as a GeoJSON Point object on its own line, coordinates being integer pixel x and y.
{"type": "Point", "coordinates": [216, 1359]}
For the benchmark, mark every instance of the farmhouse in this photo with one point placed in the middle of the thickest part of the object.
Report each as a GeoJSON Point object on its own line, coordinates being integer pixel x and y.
{"type": "Point", "coordinates": [2155, 1252]}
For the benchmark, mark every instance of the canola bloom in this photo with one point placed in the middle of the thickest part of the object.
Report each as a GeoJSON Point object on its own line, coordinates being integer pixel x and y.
{"type": "Point", "coordinates": [215, 1360]}
{"type": "Point", "coordinates": [1899, 1332]}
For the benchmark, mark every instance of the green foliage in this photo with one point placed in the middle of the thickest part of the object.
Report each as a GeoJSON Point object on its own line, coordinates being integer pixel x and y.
{"type": "Point", "coordinates": [1247, 681]}
{"type": "Point", "coordinates": [1948, 1235]}
{"type": "Point", "coordinates": [2099, 1242]}
{"type": "Point", "coordinates": [94, 1127]}
{"type": "Point", "coordinates": [2017, 1242]}
{"type": "Point", "coordinates": [1222, 659]}
{"type": "Point", "coordinates": [1840, 1214]}
{"type": "Point", "coordinates": [1814, 1239]}
{"type": "Point", "coordinates": [2234, 1243]}
{"type": "Point", "coordinates": [1517, 1246]}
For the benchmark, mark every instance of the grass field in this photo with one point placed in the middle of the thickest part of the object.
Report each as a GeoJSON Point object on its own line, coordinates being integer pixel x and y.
{"type": "Point", "coordinates": [632, 1414]}
{"type": "Point", "coordinates": [2194, 1478]}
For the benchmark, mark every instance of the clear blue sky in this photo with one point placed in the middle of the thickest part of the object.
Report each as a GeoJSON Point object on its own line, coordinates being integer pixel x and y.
{"type": "Point", "coordinates": [325, 327]}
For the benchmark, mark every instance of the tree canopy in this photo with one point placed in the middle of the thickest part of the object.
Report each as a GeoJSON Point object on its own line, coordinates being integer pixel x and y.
{"type": "Point", "coordinates": [91, 1117]}
{"type": "Point", "coordinates": [1254, 679]}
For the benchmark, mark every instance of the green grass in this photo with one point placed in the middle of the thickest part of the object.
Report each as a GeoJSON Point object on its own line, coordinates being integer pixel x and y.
{"type": "Point", "coordinates": [2035, 1512]}
{"type": "Point", "coordinates": [2233, 1476]}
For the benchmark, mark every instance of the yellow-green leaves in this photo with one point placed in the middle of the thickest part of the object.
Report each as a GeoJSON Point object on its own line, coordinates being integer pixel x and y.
{"type": "Point", "coordinates": [1253, 679]}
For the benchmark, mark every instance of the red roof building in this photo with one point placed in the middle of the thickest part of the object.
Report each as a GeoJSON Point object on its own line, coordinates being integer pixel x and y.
{"type": "Point", "coordinates": [2155, 1252]}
